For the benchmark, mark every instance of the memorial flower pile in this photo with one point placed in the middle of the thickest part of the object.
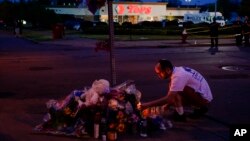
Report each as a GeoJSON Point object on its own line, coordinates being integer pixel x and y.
{"type": "Point", "coordinates": [100, 112]}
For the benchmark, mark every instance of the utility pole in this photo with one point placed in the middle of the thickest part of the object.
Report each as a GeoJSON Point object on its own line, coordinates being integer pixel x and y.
{"type": "Point", "coordinates": [215, 9]}
{"type": "Point", "coordinates": [188, 2]}
{"type": "Point", "coordinates": [111, 42]}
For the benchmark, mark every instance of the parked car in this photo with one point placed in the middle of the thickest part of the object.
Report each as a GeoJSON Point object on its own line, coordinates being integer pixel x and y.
{"type": "Point", "coordinates": [70, 24]}
{"type": "Point", "coordinates": [77, 27]}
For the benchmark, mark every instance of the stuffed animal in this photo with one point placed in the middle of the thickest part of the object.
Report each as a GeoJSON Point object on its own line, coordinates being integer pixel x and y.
{"type": "Point", "coordinates": [95, 93]}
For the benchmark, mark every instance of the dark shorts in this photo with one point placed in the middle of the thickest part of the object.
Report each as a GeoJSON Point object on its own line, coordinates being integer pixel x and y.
{"type": "Point", "coordinates": [192, 98]}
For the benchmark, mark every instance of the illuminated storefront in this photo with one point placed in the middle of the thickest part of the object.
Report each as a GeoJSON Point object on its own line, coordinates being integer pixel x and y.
{"type": "Point", "coordinates": [135, 12]}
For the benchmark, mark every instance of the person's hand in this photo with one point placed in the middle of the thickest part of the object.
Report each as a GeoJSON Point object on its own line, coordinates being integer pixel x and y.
{"type": "Point", "coordinates": [138, 106]}
{"type": "Point", "coordinates": [141, 106]}
{"type": "Point", "coordinates": [81, 105]}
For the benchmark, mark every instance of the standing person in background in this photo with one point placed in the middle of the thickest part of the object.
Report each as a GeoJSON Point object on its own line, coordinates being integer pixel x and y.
{"type": "Point", "coordinates": [238, 31]}
{"type": "Point", "coordinates": [184, 34]}
{"type": "Point", "coordinates": [20, 26]}
{"type": "Point", "coordinates": [214, 33]}
{"type": "Point", "coordinates": [16, 29]}
{"type": "Point", "coordinates": [246, 31]}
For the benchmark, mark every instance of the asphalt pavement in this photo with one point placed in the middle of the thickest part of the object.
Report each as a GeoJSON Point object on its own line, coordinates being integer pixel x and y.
{"type": "Point", "coordinates": [19, 115]}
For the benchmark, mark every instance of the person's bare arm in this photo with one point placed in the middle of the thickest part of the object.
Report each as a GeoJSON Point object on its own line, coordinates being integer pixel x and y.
{"type": "Point", "coordinates": [168, 99]}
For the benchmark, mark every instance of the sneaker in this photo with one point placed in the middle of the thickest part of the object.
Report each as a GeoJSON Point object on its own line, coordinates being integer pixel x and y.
{"type": "Point", "coordinates": [169, 124]}
{"type": "Point", "coordinates": [162, 126]}
{"type": "Point", "coordinates": [198, 113]}
{"type": "Point", "coordinates": [143, 135]}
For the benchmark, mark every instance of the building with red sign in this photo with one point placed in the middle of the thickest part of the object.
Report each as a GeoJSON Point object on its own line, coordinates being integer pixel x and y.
{"type": "Point", "coordinates": [133, 12]}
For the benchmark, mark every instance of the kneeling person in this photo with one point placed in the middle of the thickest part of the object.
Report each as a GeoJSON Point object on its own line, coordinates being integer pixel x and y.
{"type": "Point", "coordinates": [187, 87]}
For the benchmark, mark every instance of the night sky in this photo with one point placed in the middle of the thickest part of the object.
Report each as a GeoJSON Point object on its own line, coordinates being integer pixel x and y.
{"type": "Point", "coordinates": [199, 2]}
{"type": "Point", "coordinates": [192, 2]}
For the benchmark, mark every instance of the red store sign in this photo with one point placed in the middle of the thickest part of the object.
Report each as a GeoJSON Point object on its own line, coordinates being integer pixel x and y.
{"type": "Point", "coordinates": [133, 9]}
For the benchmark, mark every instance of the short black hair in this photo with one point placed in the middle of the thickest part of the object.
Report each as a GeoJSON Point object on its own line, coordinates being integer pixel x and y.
{"type": "Point", "coordinates": [214, 19]}
{"type": "Point", "coordinates": [164, 63]}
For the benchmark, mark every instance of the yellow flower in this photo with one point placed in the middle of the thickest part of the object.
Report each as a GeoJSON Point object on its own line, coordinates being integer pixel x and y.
{"type": "Point", "coordinates": [67, 111]}
{"type": "Point", "coordinates": [121, 127]}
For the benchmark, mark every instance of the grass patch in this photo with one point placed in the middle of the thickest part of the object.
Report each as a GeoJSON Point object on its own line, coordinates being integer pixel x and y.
{"type": "Point", "coordinates": [141, 37]}
{"type": "Point", "coordinates": [37, 35]}
{"type": "Point", "coordinates": [46, 35]}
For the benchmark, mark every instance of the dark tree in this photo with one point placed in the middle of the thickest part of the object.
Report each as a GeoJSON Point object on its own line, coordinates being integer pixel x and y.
{"type": "Point", "coordinates": [32, 12]}
{"type": "Point", "coordinates": [225, 7]}
{"type": "Point", "coordinates": [244, 8]}
{"type": "Point", "coordinates": [8, 12]}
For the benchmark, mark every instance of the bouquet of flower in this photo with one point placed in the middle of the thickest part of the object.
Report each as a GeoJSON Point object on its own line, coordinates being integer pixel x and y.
{"type": "Point", "coordinates": [100, 111]}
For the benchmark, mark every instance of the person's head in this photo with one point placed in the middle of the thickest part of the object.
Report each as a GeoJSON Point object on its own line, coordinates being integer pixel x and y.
{"type": "Point", "coordinates": [214, 20]}
{"type": "Point", "coordinates": [164, 68]}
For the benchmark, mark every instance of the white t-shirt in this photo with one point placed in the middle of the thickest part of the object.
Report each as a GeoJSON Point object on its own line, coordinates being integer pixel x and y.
{"type": "Point", "coordinates": [184, 31]}
{"type": "Point", "coordinates": [184, 76]}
